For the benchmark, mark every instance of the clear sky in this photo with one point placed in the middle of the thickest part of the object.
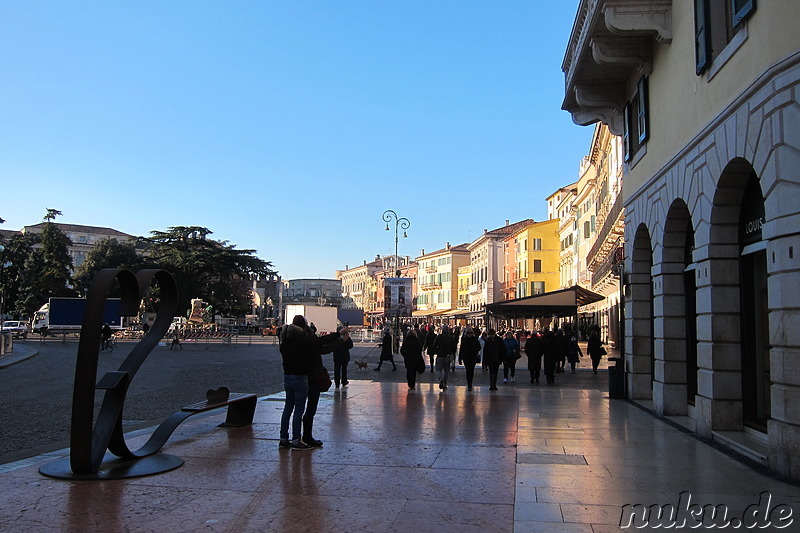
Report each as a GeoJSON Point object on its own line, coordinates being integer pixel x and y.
{"type": "Point", "coordinates": [287, 127]}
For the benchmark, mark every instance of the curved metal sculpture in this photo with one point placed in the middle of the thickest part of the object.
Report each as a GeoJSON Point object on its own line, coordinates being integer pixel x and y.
{"type": "Point", "coordinates": [89, 441]}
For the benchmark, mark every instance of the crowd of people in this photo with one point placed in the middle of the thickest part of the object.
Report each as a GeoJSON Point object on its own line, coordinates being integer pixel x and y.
{"type": "Point", "coordinates": [301, 349]}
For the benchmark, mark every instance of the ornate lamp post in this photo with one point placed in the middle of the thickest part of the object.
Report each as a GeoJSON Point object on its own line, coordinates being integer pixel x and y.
{"type": "Point", "coordinates": [403, 223]}
{"type": "Point", "coordinates": [389, 216]}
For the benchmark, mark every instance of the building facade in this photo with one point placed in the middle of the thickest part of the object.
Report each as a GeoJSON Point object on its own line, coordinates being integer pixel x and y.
{"type": "Point", "coordinates": [83, 238]}
{"type": "Point", "coordinates": [487, 257]}
{"type": "Point", "coordinates": [438, 278]}
{"type": "Point", "coordinates": [712, 206]}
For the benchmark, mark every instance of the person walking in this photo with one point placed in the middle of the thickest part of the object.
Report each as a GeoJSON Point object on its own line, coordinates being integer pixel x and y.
{"type": "Point", "coordinates": [386, 349]}
{"type": "Point", "coordinates": [494, 352]}
{"type": "Point", "coordinates": [341, 357]}
{"type": "Point", "coordinates": [551, 356]}
{"type": "Point", "coordinates": [574, 353]}
{"type": "Point", "coordinates": [412, 357]}
{"type": "Point", "coordinates": [482, 335]}
{"type": "Point", "coordinates": [430, 339]}
{"type": "Point", "coordinates": [562, 341]}
{"type": "Point", "coordinates": [445, 348]}
{"type": "Point", "coordinates": [469, 354]}
{"type": "Point", "coordinates": [301, 354]}
{"type": "Point", "coordinates": [534, 349]}
{"type": "Point", "coordinates": [595, 347]}
{"type": "Point", "coordinates": [512, 354]}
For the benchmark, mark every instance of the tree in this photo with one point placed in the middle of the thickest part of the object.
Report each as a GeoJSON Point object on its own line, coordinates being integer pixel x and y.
{"type": "Point", "coordinates": [22, 264]}
{"type": "Point", "coordinates": [106, 253]}
{"type": "Point", "coordinates": [205, 268]}
{"type": "Point", "coordinates": [54, 278]}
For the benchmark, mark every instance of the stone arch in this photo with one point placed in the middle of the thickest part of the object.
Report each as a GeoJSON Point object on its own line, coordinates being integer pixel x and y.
{"type": "Point", "coordinates": [639, 316]}
{"type": "Point", "coordinates": [719, 279]}
{"type": "Point", "coordinates": [675, 383]}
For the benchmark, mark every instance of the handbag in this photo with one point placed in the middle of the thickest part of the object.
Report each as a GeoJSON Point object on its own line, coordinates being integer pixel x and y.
{"type": "Point", "coordinates": [602, 351]}
{"type": "Point", "coordinates": [324, 380]}
{"type": "Point", "coordinates": [421, 366]}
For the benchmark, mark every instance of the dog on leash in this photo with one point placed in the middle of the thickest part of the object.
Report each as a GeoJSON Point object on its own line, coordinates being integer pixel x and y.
{"type": "Point", "coordinates": [361, 365]}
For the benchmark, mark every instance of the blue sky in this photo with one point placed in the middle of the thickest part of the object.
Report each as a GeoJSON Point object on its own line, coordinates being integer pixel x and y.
{"type": "Point", "coordinates": [287, 127]}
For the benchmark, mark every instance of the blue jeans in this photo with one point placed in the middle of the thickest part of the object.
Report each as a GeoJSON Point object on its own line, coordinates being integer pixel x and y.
{"type": "Point", "coordinates": [296, 392]}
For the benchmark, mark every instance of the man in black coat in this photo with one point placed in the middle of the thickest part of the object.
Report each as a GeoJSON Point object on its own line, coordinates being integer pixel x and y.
{"type": "Point", "coordinates": [551, 356]}
{"type": "Point", "coordinates": [430, 338]}
{"type": "Point", "coordinates": [534, 349]}
{"type": "Point", "coordinates": [445, 349]}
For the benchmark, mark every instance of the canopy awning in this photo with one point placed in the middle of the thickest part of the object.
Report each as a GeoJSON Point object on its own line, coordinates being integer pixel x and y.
{"type": "Point", "coordinates": [427, 312]}
{"type": "Point", "coordinates": [562, 303]}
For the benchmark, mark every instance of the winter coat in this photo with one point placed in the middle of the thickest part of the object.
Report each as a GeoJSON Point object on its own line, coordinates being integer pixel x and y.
{"type": "Point", "coordinates": [512, 349]}
{"type": "Point", "coordinates": [550, 345]}
{"type": "Point", "coordinates": [444, 344]}
{"type": "Point", "coordinates": [573, 352]}
{"type": "Point", "coordinates": [594, 346]}
{"type": "Point", "coordinates": [534, 349]}
{"type": "Point", "coordinates": [411, 350]}
{"type": "Point", "coordinates": [386, 348]}
{"type": "Point", "coordinates": [430, 339]}
{"type": "Point", "coordinates": [470, 349]}
{"type": "Point", "coordinates": [301, 350]}
{"type": "Point", "coordinates": [494, 351]}
{"type": "Point", "coordinates": [342, 353]}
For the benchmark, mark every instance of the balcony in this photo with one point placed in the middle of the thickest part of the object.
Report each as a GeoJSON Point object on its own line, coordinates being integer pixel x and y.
{"type": "Point", "coordinates": [612, 230]}
{"type": "Point", "coordinates": [431, 285]}
{"type": "Point", "coordinates": [610, 40]}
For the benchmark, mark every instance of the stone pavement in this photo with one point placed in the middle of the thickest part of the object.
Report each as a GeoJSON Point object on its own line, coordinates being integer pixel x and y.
{"type": "Point", "coordinates": [524, 458]}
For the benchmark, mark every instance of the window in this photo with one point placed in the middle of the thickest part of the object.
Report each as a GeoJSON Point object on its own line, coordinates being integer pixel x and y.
{"type": "Point", "coordinates": [537, 265]}
{"type": "Point", "coordinates": [537, 244]}
{"type": "Point", "coordinates": [537, 287]}
{"type": "Point", "coordinates": [636, 120]}
{"type": "Point", "coordinates": [715, 25]}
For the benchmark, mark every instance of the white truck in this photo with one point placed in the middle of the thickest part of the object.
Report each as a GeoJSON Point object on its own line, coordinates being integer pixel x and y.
{"type": "Point", "coordinates": [323, 317]}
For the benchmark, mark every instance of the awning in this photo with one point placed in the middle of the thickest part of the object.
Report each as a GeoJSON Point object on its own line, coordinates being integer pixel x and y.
{"type": "Point", "coordinates": [426, 312]}
{"type": "Point", "coordinates": [562, 303]}
{"type": "Point", "coordinates": [455, 312]}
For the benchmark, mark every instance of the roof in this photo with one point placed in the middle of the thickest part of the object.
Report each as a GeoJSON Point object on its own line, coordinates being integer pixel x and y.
{"type": "Point", "coordinates": [461, 248]}
{"type": "Point", "coordinates": [564, 302]}
{"type": "Point", "coordinates": [78, 228]}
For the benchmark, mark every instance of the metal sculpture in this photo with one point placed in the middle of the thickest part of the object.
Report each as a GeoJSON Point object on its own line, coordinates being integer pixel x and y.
{"type": "Point", "coordinates": [89, 441]}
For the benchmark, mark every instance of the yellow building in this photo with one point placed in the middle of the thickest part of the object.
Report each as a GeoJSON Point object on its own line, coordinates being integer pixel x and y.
{"type": "Point", "coordinates": [532, 260]}
{"type": "Point", "coordinates": [437, 280]}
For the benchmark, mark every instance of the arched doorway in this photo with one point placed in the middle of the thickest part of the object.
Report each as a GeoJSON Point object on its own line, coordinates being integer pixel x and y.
{"type": "Point", "coordinates": [640, 348]}
{"type": "Point", "coordinates": [678, 312]}
{"type": "Point", "coordinates": [740, 266]}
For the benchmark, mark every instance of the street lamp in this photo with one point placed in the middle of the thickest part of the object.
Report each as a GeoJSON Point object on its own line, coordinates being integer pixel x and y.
{"type": "Point", "coordinates": [389, 216]}
{"type": "Point", "coordinates": [403, 223]}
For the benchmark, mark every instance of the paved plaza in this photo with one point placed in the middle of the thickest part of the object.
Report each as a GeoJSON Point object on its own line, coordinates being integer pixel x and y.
{"type": "Point", "coordinates": [525, 459]}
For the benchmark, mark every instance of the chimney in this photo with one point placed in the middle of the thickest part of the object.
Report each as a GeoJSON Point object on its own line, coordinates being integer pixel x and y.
{"type": "Point", "coordinates": [422, 250]}
{"type": "Point", "coordinates": [485, 231]}
{"type": "Point", "coordinates": [508, 222]}
{"type": "Point", "coordinates": [447, 245]}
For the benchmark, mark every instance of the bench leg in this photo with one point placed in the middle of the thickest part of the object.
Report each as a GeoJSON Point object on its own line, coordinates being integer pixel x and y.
{"type": "Point", "coordinates": [240, 413]}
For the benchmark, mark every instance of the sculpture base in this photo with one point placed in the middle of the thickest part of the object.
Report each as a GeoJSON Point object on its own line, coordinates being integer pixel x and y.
{"type": "Point", "coordinates": [115, 468]}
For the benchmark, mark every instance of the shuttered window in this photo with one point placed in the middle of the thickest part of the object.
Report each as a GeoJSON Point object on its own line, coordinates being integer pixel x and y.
{"type": "Point", "coordinates": [742, 9]}
{"type": "Point", "coordinates": [641, 110]}
{"type": "Point", "coordinates": [702, 35]}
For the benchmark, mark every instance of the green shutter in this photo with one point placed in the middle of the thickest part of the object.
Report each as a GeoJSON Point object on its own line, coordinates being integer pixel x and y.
{"type": "Point", "coordinates": [626, 135]}
{"type": "Point", "coordinates": [742, 9]}
{"type": "Point", "coordinates": [702, 35]}
{"type": "Point", "coordinates": [643, 114]}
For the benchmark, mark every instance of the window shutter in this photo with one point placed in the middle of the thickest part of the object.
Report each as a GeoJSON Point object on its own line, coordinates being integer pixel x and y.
{"type": "Point", "coordinates": [742, 9]}
{"type": "Point", "coordinates": [626, 134]}
{"type": "Point", "coordinates": [642, 113]}
{"type": "Point", "coordinates": [702, 35]}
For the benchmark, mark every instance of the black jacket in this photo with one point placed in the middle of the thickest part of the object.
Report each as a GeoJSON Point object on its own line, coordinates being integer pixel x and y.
{"type": "Point", "coordinates": [301, 350]}
{"type": "Point", "coordinates": [470, 350]}
{"type": "Point", "coordinates": [444, 344]}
